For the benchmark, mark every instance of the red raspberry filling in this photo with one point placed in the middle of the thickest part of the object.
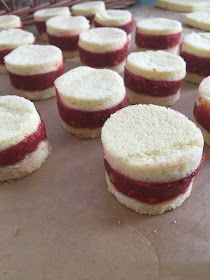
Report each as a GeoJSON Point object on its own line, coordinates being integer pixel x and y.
{"type": "Point", "coordinates": [152, 193]}
{"type": "Point", "coordinates": [202, 115]}
{"type": "Point", "coordinates": [196, 64]}
{"type": "Point", "coordinates": [157, 42]}
{"type": "Point", "coordinates": [37, 81]}
{"type": "Point", "coordinates": [149, 87]}
{"type": "Point", "coordinates": [128, 27]}
{"type": "Point", "coordinates": [3, 53]}
{"type": "Point", "coordinates": [105, 59]}
{"type": "Point", "coordinates": [41, 26]}
{"type": "Point", "coordinates": [65, 43]}
{"type": "Point", "coordinates": [19, 151]}
{"type": "Point", "coordinates": [86, 119]}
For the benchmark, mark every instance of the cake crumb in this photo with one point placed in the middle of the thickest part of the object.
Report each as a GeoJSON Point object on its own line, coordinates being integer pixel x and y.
{"type": "Point", "coordinates": [174, 222]}
{"type": "Point", "coordinates": [16, 230]}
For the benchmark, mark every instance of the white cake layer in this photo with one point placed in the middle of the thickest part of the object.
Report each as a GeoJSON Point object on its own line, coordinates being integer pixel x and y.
{"type": "Point", "coordinates": [67, 25]}
{"type": "Point", "coordinates": [198, 20]}
{"type": "Point", "coordinates": [26, 166]}
{"type": "Point", "coordinates": [206, 134]}
{"type": "Point", "coordinates": [194, 78]}
{"type": "Point", "coordinates": [88, 8]}
{"type": "Point", "coordinates": [12, 38]}
{"type": "Point", "coordinates": [33, 59]}
{"type": "Point", "coordinates": [102, 39]}
{"type": "Point", "coordinates": [118, 68]}
{"type": "Point", "coordinates": [157, 65]}
{"type": "Point", "coordinates": [183, 5]}
{"type": "Point", "coordinates": [113, 17]}
{"type": "Point", "coordinates": [158, 26]}
{"type": "Point", "coordinates": [70, 54]}
{"type": "Point", "coordinates": [152, 143]}
{"type": "Point", "coordinates": [136, 98]}
{"type": "Point", "coordinates": [145, 208]}
{"type": "Point", "coordinates": [197, 44]}
{"type": "Point", "coordinates": [83, 133]}
{"type": "Point", "coordinates": [175, 49]}
{"type": "Point", "coordinates": [18, 119]}
{"type": "Point", "coordinates": [36, 95]}
{"type": "Point", "coordinates": [204, 90]}
{"type": "Point", "coordinates": [45, 14]}
{"type": "Point", "coordinates": [90, 89]}
{"type": "Point", "coordinates": [9, 21]}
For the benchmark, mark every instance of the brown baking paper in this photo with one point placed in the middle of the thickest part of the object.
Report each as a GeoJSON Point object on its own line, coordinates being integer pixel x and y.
{"type": "Point", "coordinates": [61, 222]}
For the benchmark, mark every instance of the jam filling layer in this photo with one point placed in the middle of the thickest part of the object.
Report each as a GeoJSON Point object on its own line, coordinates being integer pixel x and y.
{"type": "Point", "coordinates": [65, 43]}
{"type": "Point", "coordinates": [19, 151]}
{"type": "Point", "coordinates": [3, 53]}
{"type": "Point", "coordinates": [157, 42]}
{"type": "Point", "coordinates": [128, 27]}
{"type": "Point", "coordinates": [86, 119]}
{"type": "Point", "coordinates": [197, 65]}
{"type": "Point", "coordinates": [41, 26]}
{"type": "Point", "coordinates": [151, 193]}
{"type": "Point", "coordinates": [36, 82]}
{"type": "Point", "coordinates": [149, 87]}
{"type": "Point", "coordinates": [105, 59]}
{"type": "Point", "coordinates": [202, 115]}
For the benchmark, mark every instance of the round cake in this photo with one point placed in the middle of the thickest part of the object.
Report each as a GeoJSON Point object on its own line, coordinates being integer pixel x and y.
{"type": "Point", "coordinates": [63, 32]}
{"type": "Point", "coordinates": [23, 141]}
{"type": "Point", "coordinates": [86, 97]}
{"type": "Point", "coordinates": [11, 39]}
{"type": "Point", "coordinates": [195, 50]}
{"type": "Point", "coordinates": [33, 69]}
{"type": "Point", "coordinates": [202, 109]}
{"type": "Point", "coordinates": [115, 18]}
{"type": "Point", "coordinates": [151, 156]}
{"type": "Point", "coordinates": [199, 20]}
{"type": "Point", "coordinates": [104, 47]}
{"type": "Point", "coordinates": [10, 21]}
{"type": "Point", "coordinates": [184, 6]}
{"type": "Point", "coordinates": [159, 34]}
{"type": "Point", "coordinates": [154, 77]}
{"type": "Point", "coordinates": [41, 16]}
{"type": "Point", "coordinates": [88, 9]}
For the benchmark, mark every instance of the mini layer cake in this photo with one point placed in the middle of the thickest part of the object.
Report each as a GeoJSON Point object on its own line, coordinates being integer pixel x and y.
{"type": "Point", "coordinates": [154, 77]}
{"type": "Point", "coordinates": [159, 34]}
{"type": "Point", "coordinates": [63, 32]}
{"type": "Point", "coordinates": [11, 39]}
{"type": "Point", "coordinates": [115, 18]}
{"type": "Point", "coordinates": [86, 97]}
{"type": "Point", "coordinates": [151, 156]}
{"type": "Point", "coordinates": [104, 47]}
{"type": "Point", "coordinates": [202, 109]}
{"type": "Point", "coordinates": [198, 20]}
{"type": "Point", "coordinates": [88, 9]}
{"type": "Point", "coordinates": [41, 16]}
{"type": "Point", "coordinates": [33, 69]}
{"type": "Point", "coordinates": [10, 21]}
{"type": "Point", "coordinates": [183, 5]}
{"type": "Point", "coordinates": [23, 140]}
{"type": "Point", "coordinates": [195, 50]}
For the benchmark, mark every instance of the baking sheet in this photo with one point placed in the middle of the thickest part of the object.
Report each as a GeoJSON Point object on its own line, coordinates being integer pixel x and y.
{"type": "Point", "coordinates": [61, 222]}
